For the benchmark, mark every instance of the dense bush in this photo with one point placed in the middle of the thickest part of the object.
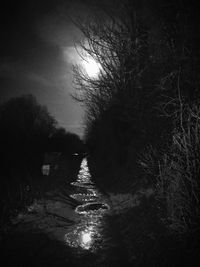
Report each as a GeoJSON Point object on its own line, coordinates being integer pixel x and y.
{"type": "Point", "coordinates": [176, 178]}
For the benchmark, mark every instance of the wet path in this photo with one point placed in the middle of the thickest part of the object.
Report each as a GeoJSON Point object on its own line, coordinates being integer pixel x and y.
{"type": "Point", "coordinates": [87, 233]}
{"type": "Point", "coordinates": [55, 229]}
{"type": "Point", "coordinates": [77, 226]}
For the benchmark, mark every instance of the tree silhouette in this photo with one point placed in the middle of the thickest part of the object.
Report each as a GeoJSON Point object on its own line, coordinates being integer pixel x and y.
{"type": "Point", "coordinates": [143, 53]}
{"type": "Point", "coordinates": [64, 142]}
{"type": "Point", "coordinates": [124, 95]}
{"type": "Point", "coordinates": [25, 126]}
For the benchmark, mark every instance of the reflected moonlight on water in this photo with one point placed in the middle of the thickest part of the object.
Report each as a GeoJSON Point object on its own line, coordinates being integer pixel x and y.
{"type": "Point", "coordinates": [79, 226]}
{"type": "Point", "coordinates": [87, 232]}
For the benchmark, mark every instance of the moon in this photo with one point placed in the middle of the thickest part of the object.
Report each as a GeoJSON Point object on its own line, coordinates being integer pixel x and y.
{"type": "Point", "coordinates": [91, 67]}
{"type": "Point", "coordinates": [87, 63]}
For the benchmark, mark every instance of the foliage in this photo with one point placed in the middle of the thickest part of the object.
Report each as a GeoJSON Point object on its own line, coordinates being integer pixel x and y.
{"type": "Point", "coordinates": [25, 127]}
{"type": "Point", "coordinates": [119, 45]}
{"type": "Point", "coordinates": [65, 142]}
{"type": "Point", "coordinates": [178, 180]}
{"type": "Point", "coordinates": [175, 172]}
{"type": "Point", "coordinates": [142, 120]}
{"type": "Point", "coordinates": [121, 102]}
{"type": "Point", "coordinates": [23, 118]}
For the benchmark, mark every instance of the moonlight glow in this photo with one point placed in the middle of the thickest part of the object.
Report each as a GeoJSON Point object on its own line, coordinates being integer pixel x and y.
{"type": "Point", "coordinates": [77, 56]}
{"type": "Point", "coordinates": [91, 67]}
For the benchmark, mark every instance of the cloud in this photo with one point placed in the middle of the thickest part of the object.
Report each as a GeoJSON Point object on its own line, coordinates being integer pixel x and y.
{"type": "Point", "coordinates": [37, 64]}
{"type": "Point", "coordinates": [58, 29]}
{"type": "Point", "coordinates": [10, 68]}
{"type": "Point", "coordinates": [4, 68]}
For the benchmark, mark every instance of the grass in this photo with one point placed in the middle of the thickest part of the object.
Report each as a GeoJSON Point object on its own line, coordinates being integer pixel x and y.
{"type": "Point", "coordinates": [176, 175]}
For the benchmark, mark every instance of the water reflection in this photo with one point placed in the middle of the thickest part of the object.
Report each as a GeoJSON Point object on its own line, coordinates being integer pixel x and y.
{"type": "Point", "coordinates": [87, 233]}
{"type": "Point", "coordinates": [84, 235]}
{"type": "Point", "coordinates": [62, 219]}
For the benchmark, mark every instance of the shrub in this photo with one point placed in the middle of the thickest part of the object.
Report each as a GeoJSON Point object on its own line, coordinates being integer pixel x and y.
{"type": "Point", "coordinates": [177, 173]}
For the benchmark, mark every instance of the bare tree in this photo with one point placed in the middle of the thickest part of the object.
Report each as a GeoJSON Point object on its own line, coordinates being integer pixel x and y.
{"type": "Point", "coordinates": [118, 44]}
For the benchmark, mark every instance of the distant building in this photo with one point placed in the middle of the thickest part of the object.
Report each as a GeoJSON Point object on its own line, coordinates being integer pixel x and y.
{"type": "Point", "coordinates": [50, 162]}
{"type": "Point", "coordinates": [45, 169]}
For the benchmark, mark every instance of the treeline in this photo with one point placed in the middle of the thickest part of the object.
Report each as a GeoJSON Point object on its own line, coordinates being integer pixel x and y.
{"type": "Point", "coordinates": [25, 126]}
{"type": "Point", "coordinates": [27, 132]}
{"type": "Point", "coordinates": [142, 123]}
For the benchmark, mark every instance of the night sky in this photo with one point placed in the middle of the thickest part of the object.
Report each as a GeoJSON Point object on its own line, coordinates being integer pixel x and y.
{"type": "Point", "coordinates": [37, 53]}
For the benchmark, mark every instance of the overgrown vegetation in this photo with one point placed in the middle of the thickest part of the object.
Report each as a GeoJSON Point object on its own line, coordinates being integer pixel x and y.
{"type": "Point", "coordinates": [121, 102]}
{"type": "Point", "coordinates": [142, 120]}
{"type": "Point", "coordinates": [177, 181]}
